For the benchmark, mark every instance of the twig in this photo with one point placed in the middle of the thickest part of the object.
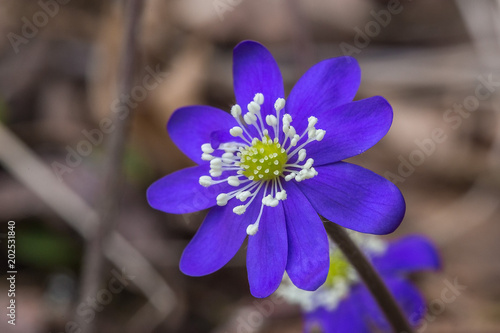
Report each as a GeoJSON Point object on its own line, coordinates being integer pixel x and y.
{"type": "Point", "coordinates": [370, 277]}
{"type": "Point", "coordinates": [94, 261]}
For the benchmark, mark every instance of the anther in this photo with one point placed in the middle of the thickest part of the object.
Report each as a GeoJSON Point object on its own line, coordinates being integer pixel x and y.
{"type": "Point", "coordinates": [287, 119]}
{"type": "Point", "coordinates": [258, 98]}
{"type": "Point", "coordinates": [215, 162]}
{"type": "Point", "coordinates": [222, 199]}
{"type": "Point", "coordinates": [215, 173]}
{"type": "Point", "coordinates": [250, 118]}
{"type": "Point", "coordinates": [233, 181]}
{"type": "Point", "coordinates": [239, 209]}
{"type": "Point", "coordinates": [311, 134]}
{"type": "Point", "coordinates": [252, 229]}
{"type": "Point", "coordinates": [205, 181]}
{"type": "Point", "coordinates": [253, 107]}
{"type": "Point", "coordinates": [281, 195]}
{"type": "Point", "coordinates": [207, 148]}
{"type": "Point", "coordinates": [320, 134]}
{"type": "Point", "coordinates": [242, 196]}
{"type": "Point", "coordinates": [236, 111]}
{"type": "Point", "coordinates": [309, 163]}
{"type": "Point", "coordinates": [279, 104]}
{"type": "Point", "coordinates": [207, 157]}
{"type": "Point", "coordinates": [271, 120]}
{"type": "Point", "coordinates": [302, 155]}
{"type": "Point", "coordinates": [236, 131]}
{"type": "Point", "coordinates": [312, 121]}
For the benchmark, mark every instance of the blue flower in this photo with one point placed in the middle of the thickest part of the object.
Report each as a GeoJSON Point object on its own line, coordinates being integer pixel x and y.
{"type": "Point", "coordinates": [344, 304]}
{"type": "Point", "coordinates": [266, 178]}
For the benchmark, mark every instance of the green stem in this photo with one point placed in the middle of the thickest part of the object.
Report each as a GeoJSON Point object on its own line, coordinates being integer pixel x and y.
{"type": "Point", "coordinates": [370, 277]}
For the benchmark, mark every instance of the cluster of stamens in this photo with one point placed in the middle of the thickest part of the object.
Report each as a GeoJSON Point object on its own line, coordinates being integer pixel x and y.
{"type": "Point", "coordinates": [263, 161]}
{"type": "Point", "coordinates": [341, 276]}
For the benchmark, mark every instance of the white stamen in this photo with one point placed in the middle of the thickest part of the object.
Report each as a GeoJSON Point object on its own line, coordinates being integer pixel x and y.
{"type": "Point", "coordinates": [287, 119]}
{"type": "Point", "coordinates": [239, 209]}
{"type": "Point", "coordinates": [215, 162]}
{"type": "Point", "coordinates": [260, 160]}
{"type": "Point", "coordinates": [286, 128]}
{"type": "Point", "coordinates": [252, 229]}
{"type": "Point", "coordinates": [207, 148]}
{"type": "Point", "coordinates": [309, 163]}
{"type": "Point", "coordinates": [236, 131]}
{"type": "Point", "coordinates": [206, 181]}
{"type": "Point", "coordinates": [236, 111]}
{"type": "Point", "coordinates": [312, 121]}
{"type": "Point", "coordinates": [267, 200]}
{"type": "Point", "coordinates": [279, 104]}
{"type": "Point", "coordinates": [222, 199]}
{"type": "Point", "coordinates": [320, 134]}
{"type": "Point", "coordinates": [302, 155]}
{"type": "Point", "coordinates": [250, 118]}
{"type": "Point", "coordinates": [215, 173]}
{"type": "Point", "coordinates": [242, 196]}
{"type": "Point", "coordinates": [281, 195]}
{"type": "Point", "coordinates": [294, 141]}
{"type": "Point", "coordinates": [259, 98]}
{"type": "Point", "coordinates": [206, 157]}
{"type": "Point", "coordinates": [228, 156]}
{"type": "Point", "coordinates": [271, 120]}
{"type": "Point", "coordinates": [233, 181]}
{"type": "Point", "coordinates": [253, 108]}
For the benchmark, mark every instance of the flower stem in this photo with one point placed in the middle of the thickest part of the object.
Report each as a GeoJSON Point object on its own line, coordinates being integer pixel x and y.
{"type": "Point", "coordinates": [371, 278]}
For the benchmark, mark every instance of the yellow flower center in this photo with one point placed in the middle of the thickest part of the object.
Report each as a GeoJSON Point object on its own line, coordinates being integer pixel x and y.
{"type": "Point", "coordinates": [339, 268]}
{"type": "Point", "coordinates": [263, 160]}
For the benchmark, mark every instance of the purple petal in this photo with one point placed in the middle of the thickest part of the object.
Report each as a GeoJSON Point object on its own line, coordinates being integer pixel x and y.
{"type": "Point", "coordinates": [355, 198]}
{"type": "Point", "coordinates": [350, 129]}
{"type": "Point", "coordinates": [180, 192]}
{"type": "Point", "coordinates": [222, 136]}
{"type": "Point", "coordinates": [256, 71]}
{"type": "Point", "coordinates": [308, 258]}
{"type": "Point", "coordinates": [407, 296]}
{"type": "Point", "coordinates": [191, 126]}
{"type": "Point", "coordinates": [345, 318]}
{"type": "Point", "coordinates": [326, 85]}
{"type": "Point", "coordinates": [408, 254]}
{"type": "Point", "coordinates": [267, 252]}
{"type": "Point", "coordinates": [217, 240]}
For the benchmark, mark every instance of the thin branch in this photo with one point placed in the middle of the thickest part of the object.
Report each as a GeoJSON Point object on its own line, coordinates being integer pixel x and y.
{"type": "Point", "coordinates": [371, 278]}
{"type": "Point", "coordinates": [94, 260]}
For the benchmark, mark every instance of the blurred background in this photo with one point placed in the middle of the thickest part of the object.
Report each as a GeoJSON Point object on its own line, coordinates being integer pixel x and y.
{"type": "Point", "coordinates": [437, 62]}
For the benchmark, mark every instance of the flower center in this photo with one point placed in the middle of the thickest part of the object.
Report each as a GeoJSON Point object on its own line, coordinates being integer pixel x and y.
{"type": "Point", "coordinates": [267, 152]}
{"type": "Point", "coordinates": [341, 276]}
{"type": "Point", "coordinates": [339, 269]}
{"type": "Point", "coordinates": [264, 160]}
